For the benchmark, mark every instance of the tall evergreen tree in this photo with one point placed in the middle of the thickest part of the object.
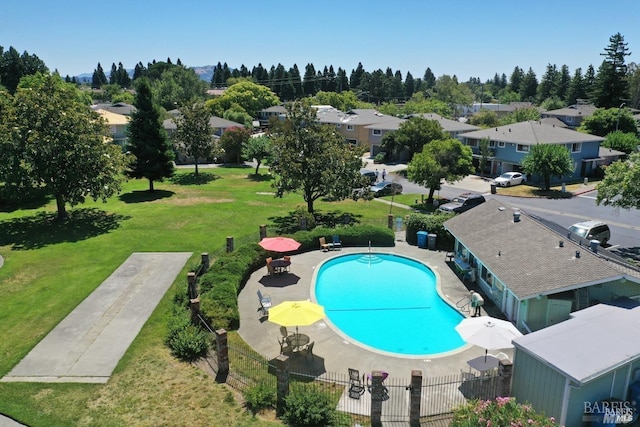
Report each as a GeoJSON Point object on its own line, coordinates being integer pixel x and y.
{"type": "Point", "coordinates": [515, 81]}
{"type": "Point", "coordinates": [529, 86]}
{"type": "Point", "coordinates": [590, 82]}
{"type": "Point", "coordinates": [99, 78]}
{"type": "Point", "coordinates": [563, 83]}
{"type": "Point", "coordinates": [123, 76]}
{"type": "Point", "coordinates": [296, 81]}
{"type": "Point", "coordinates": [548, 83]}
{"type": "Point", "coordinates": [409, 85]}
{"type": "Point", "coordinates": [611, 87]}
{"type": "Point", "coordinates": [309, 80]}
{"type": "Point", "coordinates": [576, 88]}
{"type": "Point", "coordinates": [147, 140]}
{"type": "Point", "coordinates": [343, 81]}
{"type": "Point", "coordinates": [429, 79]}
{"type": "Point", "coordinates": [356, 76]}
{"type": "Point", "coordinates": [139, 71]}
{"type": "Point", "coordinates": [113, 75]}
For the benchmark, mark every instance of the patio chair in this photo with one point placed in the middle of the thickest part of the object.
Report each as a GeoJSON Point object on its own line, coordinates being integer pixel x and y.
{"type": "Point", "coordinates": [270, 268]}
{"type": "Point", "coordinates": [287, 258]}
{"type": "Point", "coordinates": [286, 335]}
{"type": "Point", "coordinates": [324, 245]}
{"type": "Point", "coordinates": [307, 351]}
{"type": "Point", "coordinates": [356, 389]}
{"type": "Point", "coordinates": [337, 244]}
{"type": "Point", "coordinates": [265, 303]}
{"type": "Point", "coordinates": [284, 346]}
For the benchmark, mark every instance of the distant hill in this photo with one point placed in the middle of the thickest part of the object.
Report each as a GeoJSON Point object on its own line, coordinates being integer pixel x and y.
{"type": "Point", "coordinates": [205, 72]}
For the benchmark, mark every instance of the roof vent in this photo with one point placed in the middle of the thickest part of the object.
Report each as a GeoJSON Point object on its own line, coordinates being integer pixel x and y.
{"type": "Point", "coordinates": [509, 129]}
{"type": "Point", "coordinates": [561, 244]}
{"type": "Point", "coordinates": [516, 216]}
{"type": "Point", "coordinates": [577, 254]}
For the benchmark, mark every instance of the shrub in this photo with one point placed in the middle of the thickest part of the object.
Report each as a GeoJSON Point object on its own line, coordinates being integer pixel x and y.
{"type": "Point", "coordinates": [310, 408]}
{"type": "Point", "coordinates": [433, 224]}
{"type": "Point", "coordinates": [380, 157]}
{"type": "Point", "coordinates": [186, 341]}
{"type": "Point", "coordinates": [259, 397]}
{"type": "Point", "coordinates": [503, 411]}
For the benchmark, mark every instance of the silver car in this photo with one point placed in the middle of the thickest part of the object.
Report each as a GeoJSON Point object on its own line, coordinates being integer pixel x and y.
{"type": "Point", "coordinates": [508, 179]}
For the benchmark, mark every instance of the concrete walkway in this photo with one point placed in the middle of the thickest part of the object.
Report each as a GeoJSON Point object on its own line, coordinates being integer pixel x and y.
{"type": "Point", "coordinates": [335, 352]}
{"type": "Point", "coordinates": [87, 345]}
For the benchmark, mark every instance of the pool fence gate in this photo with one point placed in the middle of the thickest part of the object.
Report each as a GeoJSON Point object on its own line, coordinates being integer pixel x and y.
{"type": "Point", "coordinates": [412, 401]}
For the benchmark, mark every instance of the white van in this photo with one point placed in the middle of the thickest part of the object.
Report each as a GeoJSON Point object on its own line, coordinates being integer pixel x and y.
{"type": "Point", "coordinates": [592, 230]}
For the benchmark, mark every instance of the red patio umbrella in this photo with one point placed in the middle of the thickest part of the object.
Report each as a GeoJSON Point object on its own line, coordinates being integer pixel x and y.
{"type": "Point", "coordinates": [279, 244]}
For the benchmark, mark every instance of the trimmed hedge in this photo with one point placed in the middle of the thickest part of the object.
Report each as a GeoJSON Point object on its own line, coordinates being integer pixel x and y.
{"type": "Point", "coordinates": [432, 223]}
{"type": "Point", "coordinates": [220, 286]}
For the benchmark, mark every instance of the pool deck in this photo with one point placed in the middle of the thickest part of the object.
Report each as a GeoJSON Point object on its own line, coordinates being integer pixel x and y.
{"type": "Point", "coordinates": [332, 351]}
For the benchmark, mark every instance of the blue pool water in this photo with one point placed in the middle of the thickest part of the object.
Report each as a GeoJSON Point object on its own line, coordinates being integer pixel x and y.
{"type": "Point", "coordinates": [387, 302]}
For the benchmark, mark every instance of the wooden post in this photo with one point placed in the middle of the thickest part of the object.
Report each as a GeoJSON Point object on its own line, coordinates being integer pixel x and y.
{"type": "Point", "coordinates": [377, 392]}
{"type": "Point", "coordinates": [229, 243]}
{"type": "Point", "coordinates": [390, 221]}
{"type": "Point", "coordinates": [204, 260]}
{"type": "Point", "coordinates": [192, 291]}
{"type": "Point", "coordinates": [222, 350]}
{"type": "Point", "coordinates": [263, 231]}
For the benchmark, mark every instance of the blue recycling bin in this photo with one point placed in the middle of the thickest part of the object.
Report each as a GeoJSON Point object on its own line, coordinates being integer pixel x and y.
{"type": "Point", "coordinates": [422, 239]}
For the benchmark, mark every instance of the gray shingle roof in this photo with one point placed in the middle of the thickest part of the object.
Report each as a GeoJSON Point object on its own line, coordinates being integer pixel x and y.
{"type": "Point", "coordinates": [448, 125]}
{"type": "Point", "coordinates": [573, 111]}
{"type": "Point", "coordinates": [532, 133]}
{"type": "Point", "coordinates": [594, 341]}
{"type": "Point", "coordinates": [526, 255]}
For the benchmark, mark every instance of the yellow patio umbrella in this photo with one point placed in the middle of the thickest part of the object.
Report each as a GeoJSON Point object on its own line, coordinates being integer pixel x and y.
{"type": "Point", "coordinates": [296, 313]}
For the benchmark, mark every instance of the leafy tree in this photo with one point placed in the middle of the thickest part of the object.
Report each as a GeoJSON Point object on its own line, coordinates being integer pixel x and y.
{"type": "Point", "coordinates": [147, 140]}
{"type": "Point", "coordinates": [485, 153]}
{"type": "Point", "coordinates": [99, 78]}
{"type": "Point", "coordinates": [548, 160]}
{"type": "Point", "coordinates": [442, 159]}
{"type": "Point", "coordinates": [193, 134]}
{"type": "Point", "coordinates": [312, 158]}
{"type": "Point", "coordinates": [413, 135]}
{"type": "Point", "coordinates": [607, 120]}
{"type": "Point", "coordinates": [237, 114]}
{"type": "Point", "coordinates": [610, 86]}
{"type": "Point", "coordinates": [521, 115]}
{"type": "Point", "coordinates": [231, 143]}
{"type": "Point", "coordinates": [622, 141]}
{"type": "Point", "coordinates": [257, 148]}
{"type": "Point", "coordinates": [343, 101]}
{"type": "Point", "coordinates": [552, 103]}
{"type": "Point", "coordinates": [633, 80]}
{"type": "Point", "coordinates": [620, 184]}
{"type": "Point", "coordinates": [250, 96]}
{"type": "Point", "coordinates": [448, 90]}
{"type": "Point", "coordinates": [419, 104]}
{"type": "Point", "coordinates": [176, 86]}
{"type": "Point", "coordinates": [52, 140]}
{"type": "Point", "coordinates": [485, 119]}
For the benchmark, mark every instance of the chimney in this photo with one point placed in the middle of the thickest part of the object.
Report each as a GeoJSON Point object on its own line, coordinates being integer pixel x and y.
{"type": "Point", "coordinates": [516, 216]}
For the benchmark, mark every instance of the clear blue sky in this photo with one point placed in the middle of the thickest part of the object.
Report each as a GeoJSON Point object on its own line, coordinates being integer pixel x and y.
{"type": "Point", "coordinates": [467, 38]}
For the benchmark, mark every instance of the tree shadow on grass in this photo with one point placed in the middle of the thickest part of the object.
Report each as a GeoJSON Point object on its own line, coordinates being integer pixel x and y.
{"type": "Point", "coordinates": [290, 223]}
{"type": "Point", "coordinates": [193, 179]}
{"type": "Point", "coordinates": [260, 177]}
{"type": "Point", "coordinates": [145, 196]}
{"type": "Point", "coordinates": [552, 194]}
{"type": "Point", "coordinates": [42, 229]}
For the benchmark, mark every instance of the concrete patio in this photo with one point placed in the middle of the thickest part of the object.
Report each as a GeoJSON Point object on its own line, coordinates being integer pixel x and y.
{"type": "Point", "coordinates": [334, 352]}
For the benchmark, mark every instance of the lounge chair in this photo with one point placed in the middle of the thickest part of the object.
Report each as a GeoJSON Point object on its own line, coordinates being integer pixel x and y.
{"type": "Point", "coordinates": [356, 389]}
{"type": "Point", "coordinates": [270, 268]}
{"type": "Point", "coordinates": [324, 245]}
{"type": "Point", "coordinates": [337, 244]}
{"type": "Point", "coordinates": [265, 303]}
{"type": "Point", "coordinates": [307, 351]}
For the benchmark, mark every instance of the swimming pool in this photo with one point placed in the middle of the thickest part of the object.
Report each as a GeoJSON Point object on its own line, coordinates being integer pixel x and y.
{"type": "Point", "coordinates": [387, 302]}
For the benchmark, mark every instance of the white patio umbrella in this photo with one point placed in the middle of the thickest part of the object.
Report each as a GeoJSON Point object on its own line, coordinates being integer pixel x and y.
{"type": "Point", "coordinates": [487, 332]}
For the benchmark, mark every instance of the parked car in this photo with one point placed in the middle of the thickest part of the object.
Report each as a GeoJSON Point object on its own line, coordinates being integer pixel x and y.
{"type": "Point", "coordinates": [386, 188]}
{"type": "Point", "coordinates": [508, 179]}
{"type": "Point", "coordinates": [463, 203]}
{"type": "Point", "coordinates": [369, 174]}
{"type": "Point", "coordinates": [592, 230]}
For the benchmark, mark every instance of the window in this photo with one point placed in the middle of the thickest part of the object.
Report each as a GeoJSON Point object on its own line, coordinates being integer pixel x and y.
{"type": "Point", "coordinates": [501, 144]}
{"type": "Point", "coordinates": [338, 125]}
{"type": "Point", "coordinates": [492, 144]}
{"type": "Point", "coordinates": [377, 132]}
{"type": "Point", "coordinates": [522, 148]}
{"type": "Point", "coordinates": [569, 119]}
{"type": "Point", "coordinates": [576, 147]}
{"type": "Point", "coordinates": [472, 142]}
{"type": "Point", "coordinates": [352, 141]}
{"type": "Point", "coordinates": [349, 127]}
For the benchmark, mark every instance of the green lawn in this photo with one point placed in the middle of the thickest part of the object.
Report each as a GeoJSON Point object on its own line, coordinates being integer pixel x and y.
{"type": "Point", "coordinates": [50, 268]}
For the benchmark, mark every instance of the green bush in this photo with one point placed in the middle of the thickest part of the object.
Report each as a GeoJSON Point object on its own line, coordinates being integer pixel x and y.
{"type": "Point", "coordinates": [503, 411]}
{"type": "Point", "coordinates": [380, 157]}
{"type": "Point", "coordinates": [259, 397]}
{"type": "Point", "coordinates": [432, 223]}
{"type": "Point", "coordinates": [310, 408]}
{"type": "Point", "coordinates": [186, 341]}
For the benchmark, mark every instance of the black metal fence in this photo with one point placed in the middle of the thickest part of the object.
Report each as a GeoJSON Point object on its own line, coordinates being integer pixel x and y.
{"type": "Point", "coordinates": [439, 396]}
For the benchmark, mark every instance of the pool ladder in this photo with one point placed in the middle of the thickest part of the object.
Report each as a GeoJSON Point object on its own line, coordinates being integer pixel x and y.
{"type": "Point", "coordinates": [464, 304]}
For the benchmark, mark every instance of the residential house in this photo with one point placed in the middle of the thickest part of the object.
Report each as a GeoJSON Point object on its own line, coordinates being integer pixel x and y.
{"type": "Point", "coordinates": [511, 143]}
{"type": "Point", "coordinates": [533, 274]}
{"type": "Point", "coordinates": [361, 127]}
{"type": "Point", "coordinates": [452, 127]}
{"type": "Point", "coordinates": [118, 124]}
{"type": "Point", "coordinates": [118, 108]}
{"type": "Point", "coordinates": [264, 116]}
{"type": "Point", "coordinates": [567, 370]}
{"type": "Point", "coordinates": [571, 116]}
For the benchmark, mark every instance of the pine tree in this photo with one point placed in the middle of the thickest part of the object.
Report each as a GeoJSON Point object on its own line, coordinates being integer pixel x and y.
{"type": "Point", "coordinates": [610, 87]}
{"type": "Point", "coordinates": [147, 139]}
{"type": "Point", "coordinates": [99, 78]}
{"type": "Point", "coordinates": [113, 76]}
